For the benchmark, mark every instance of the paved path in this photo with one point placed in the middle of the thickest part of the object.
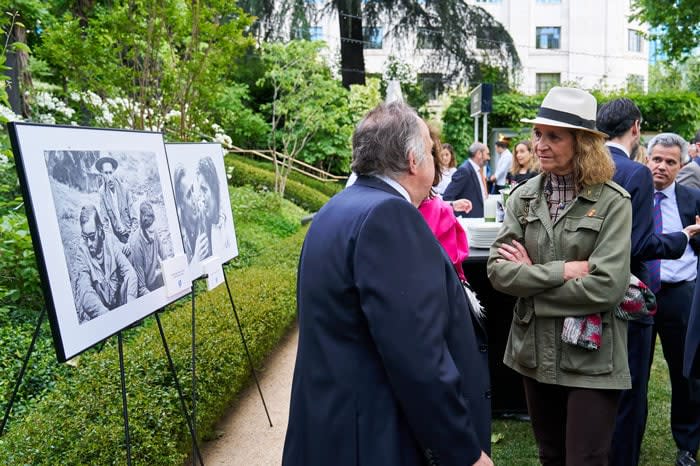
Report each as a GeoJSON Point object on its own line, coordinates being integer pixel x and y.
{"type": "Point", "coordinates": [246, 437]}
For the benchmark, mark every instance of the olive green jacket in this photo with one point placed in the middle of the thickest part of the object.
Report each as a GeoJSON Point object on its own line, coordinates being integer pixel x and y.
{"type": "Point", "coordinates": [595, 227]}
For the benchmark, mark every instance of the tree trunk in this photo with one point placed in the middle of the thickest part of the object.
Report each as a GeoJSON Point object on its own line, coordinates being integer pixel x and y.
{"type": "Point", "coordinates": [352, 60]}
{"type": "Point", "coordinates": [20, 78]}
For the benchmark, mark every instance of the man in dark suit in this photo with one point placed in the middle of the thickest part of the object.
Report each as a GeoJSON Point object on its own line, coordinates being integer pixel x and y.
{"type": "Point", "coordinates": [391, 368]}
{"type": "Point", "coordinates": [678, 207]}
{"type": "Point", "coordinates": [621, 120]}
{"type": "Point", "coordinates": [468, 182]}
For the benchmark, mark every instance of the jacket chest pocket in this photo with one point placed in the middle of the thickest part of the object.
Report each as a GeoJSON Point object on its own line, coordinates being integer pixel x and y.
{"type": "Point", "coordinates": [580, 236]}
{"type": "Point", "coordinates": [590, 362]}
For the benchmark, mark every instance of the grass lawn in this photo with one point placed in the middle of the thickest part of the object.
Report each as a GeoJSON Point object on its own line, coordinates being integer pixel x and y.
{"type": "Point", "coordinates": [515, 444]}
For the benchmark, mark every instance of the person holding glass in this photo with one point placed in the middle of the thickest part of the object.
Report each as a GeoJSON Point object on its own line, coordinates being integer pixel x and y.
{"type": "Point", "coordinates": [564, 252]}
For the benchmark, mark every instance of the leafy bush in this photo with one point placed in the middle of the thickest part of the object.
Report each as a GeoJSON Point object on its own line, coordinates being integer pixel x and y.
{"type": "Point", "coordinates": [80, 420]}
{"type": "Point", "coordinates": [241, 174]}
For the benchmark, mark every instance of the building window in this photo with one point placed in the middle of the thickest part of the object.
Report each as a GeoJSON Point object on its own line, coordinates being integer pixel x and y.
{"type": "Point", "coordinates": [547, 37]}
{"type": "Point", "coordinates": [548, 1]}
{"type": "Point", "coordinates": [431, 84]}
{"type": "Point", "coordinates": [546, 81]}
{"type": "Point", "coordinates": [634, 41]}
{"type": "Point", "coordinates": [373, 37]}
{"type": "Point", "coordinates": [427, 38]}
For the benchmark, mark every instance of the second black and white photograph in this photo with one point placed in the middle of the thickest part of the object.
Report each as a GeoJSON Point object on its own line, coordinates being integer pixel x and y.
{"type": "Point", "coordinates": [203, 203]}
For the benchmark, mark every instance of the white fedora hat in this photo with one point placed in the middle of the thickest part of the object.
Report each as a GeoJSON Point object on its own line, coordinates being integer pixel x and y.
{"type": "Point", "coordinates": [568, 107]}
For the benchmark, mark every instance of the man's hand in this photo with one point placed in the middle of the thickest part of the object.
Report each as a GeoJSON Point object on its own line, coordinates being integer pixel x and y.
{"type": "Point", "coordinates": [693, 230]}
{"type": "Point", "coordinates": [484, 460]}
{"type": "Point", "coordinates": [515, 253]}
{"type": "Point", "coordinates": [575, 269]}
{"type": "Point", "coordinates": [462, 205]}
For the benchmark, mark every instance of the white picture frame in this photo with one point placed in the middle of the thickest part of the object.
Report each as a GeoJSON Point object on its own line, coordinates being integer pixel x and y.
{"type": "Point", "coordinates": [95, 198]}
{"type": "Point", "coordinates": [198, 176]}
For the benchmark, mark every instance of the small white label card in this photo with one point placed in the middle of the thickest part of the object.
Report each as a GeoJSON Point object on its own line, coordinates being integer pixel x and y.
{"type": "Point", "coordinates": [214, 271]}
{"type": "Point", "coordinates": [176, 275]}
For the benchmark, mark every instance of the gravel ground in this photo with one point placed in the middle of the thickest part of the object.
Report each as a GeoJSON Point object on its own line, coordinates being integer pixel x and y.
{"type": "Point", "coordinates": [245, 436]}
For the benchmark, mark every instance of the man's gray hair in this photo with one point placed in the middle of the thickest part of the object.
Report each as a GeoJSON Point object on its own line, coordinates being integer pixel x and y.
{"type": "Point", "coordinates": [476, 147]}
{"type": "Point", "coordinates": [669, 140]}
{"type": "Point", "coordinates": [383, 139]}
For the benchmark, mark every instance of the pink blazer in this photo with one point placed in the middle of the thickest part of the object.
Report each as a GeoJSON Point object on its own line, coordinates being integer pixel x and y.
{"type": "Point", "coordinates": [442, 221]}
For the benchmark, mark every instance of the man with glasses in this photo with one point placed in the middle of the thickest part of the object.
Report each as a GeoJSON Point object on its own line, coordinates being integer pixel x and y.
{"type": "Point", "coordinates": [105, 278]}
{"type": "Point", "coordinates": [621, 120]}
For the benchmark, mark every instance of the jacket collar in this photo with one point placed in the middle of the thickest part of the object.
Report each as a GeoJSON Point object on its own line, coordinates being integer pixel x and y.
{"type": "Point", "coordinates": [376, 183]}
{"type": "Point", "coordinates": [533, 186]}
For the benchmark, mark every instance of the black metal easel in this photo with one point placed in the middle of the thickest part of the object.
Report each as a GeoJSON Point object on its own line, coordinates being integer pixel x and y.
{"type": "Point", "coordinates": [122, 374]}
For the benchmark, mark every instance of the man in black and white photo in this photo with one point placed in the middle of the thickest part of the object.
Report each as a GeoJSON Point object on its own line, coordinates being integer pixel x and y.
{"type": "Point", "coordinates": [105, 277]}
{"type": "Point", "coordinates": [115, 199]}
{"type": "Point", "coordinates": [147, 251]}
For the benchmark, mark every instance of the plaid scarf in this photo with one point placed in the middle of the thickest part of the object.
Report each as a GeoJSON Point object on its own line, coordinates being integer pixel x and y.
{"type": "Point", "coordinates": [559, 191]}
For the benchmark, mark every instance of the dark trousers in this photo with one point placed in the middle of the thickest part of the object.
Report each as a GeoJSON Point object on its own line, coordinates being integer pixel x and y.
{"type": "Point", "coordinates": [671, 323]}
{"type": "Point", "coordinates": [632, 411]}
{"type": "Point", "coordinates": [572, 426]}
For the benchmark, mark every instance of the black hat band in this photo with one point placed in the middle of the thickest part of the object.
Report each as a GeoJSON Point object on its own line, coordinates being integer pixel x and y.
{"type": "Point", "coordinates": [566, 117]}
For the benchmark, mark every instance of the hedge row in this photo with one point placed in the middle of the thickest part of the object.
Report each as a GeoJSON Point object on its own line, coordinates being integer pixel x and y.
{"type": "Point", "coordinates": [81, 422]}
{"type": "Point", "coordinates": [241, 172]}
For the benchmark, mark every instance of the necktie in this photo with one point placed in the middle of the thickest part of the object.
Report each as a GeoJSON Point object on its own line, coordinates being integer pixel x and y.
{"type": "Point", "coordinates": [655, 265]}
{"type": "Point", "coordinates": [485, 190]}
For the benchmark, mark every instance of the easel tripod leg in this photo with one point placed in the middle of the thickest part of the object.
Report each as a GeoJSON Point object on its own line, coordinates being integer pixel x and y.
{"type": "Point", "coordinates": [179, 390]}
{"type": "Point", "coordinates": [245, 346]}
{"type": "Point", "coordinates": [22, 371]}
{"type": "Point", "coordinates": [125, 411]}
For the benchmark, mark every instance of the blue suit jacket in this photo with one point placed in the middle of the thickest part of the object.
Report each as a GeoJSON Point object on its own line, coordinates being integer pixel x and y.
{"type": "Point", "coordinates": [688, 200]}
{"type": "Point", "coordinates": [646, 245]}
{"type": "Point", "coordinates": [466, 184]}
{"type": "Point", "coordinates": [391, 368]}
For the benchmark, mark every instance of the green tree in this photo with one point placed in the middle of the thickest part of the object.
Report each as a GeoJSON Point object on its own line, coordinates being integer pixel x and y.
{"type": "Point", "coordinates": [166, 57]}
{"type": "Point", "coordinates": [451, 28]}
{"type": "Point", "coordinates": [677, 22]}
{"type": "Point", "coordinates": [306, 100]}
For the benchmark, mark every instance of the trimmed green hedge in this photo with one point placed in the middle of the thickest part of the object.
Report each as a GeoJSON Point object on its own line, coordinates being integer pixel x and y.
{"type": "Point", "coordinates": [80, 421]}
{"type": "Point", "coordinates": [241, 172]}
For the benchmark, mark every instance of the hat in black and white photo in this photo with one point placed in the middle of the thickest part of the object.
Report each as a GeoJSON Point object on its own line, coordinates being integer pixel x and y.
{"type": "Point", "coordinates": [567, 107]}
{"type": "Point", "coordinates": [102, 160]}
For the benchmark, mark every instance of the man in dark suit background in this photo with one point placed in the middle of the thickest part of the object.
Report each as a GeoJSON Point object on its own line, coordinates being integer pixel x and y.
{"type": "Point", "coordinates": [391, 368]}
{"type": "Point", "coordinates": [621, 120]}
{"type": "Point", "coordinates": [678, 206]}
{"type": "Point", "coordinates": [468, 182]}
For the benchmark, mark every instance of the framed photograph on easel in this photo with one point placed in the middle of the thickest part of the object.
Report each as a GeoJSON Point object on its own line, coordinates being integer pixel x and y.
{"type": "Point", "coordinates": [199, 181]}
{"type": "Point", "coordinates": [102, 216]}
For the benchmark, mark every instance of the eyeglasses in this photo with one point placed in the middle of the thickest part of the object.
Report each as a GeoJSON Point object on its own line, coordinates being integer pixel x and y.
{"type": "Point", "coordinates": [89, 236]}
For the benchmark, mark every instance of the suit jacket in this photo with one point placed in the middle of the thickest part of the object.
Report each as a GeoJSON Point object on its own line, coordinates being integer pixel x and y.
{"type": "Point", "coordinates": [690, 175]}
{"type": "Point", "coordinates": [689, 206]}
{"type": "Point", "coordinates": [646, 245]}
{"type": "Point", "coordinates": [391, 368]}
{"type": "Point", "coordinates": [466, 184]}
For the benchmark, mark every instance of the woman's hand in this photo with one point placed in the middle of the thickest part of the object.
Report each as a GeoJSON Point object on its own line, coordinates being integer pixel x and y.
{"type": "Point", "coordinates": [462, 205]}
{"type": "Point", "coordinates": [575, 269]}
{"type": "Point", "coordinates": [515, 253]}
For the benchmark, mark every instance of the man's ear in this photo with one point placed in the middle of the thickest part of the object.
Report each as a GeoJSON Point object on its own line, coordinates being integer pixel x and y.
{"type": "Point", "coordinates": [412, 164]}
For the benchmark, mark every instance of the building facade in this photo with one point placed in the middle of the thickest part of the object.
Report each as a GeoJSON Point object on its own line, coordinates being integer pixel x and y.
{"type": "Point", "coordinates": [592, 43]}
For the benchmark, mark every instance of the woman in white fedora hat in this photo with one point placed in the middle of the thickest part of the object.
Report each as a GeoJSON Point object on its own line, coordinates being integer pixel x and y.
{"type": "Point", "coordinates": [564, 252]}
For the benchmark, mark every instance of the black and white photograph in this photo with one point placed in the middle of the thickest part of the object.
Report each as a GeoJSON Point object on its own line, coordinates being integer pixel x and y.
{"type": "Point", "coordinates": [103, 214]}
{"type": "Point", "coordinates": [203, 203]}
